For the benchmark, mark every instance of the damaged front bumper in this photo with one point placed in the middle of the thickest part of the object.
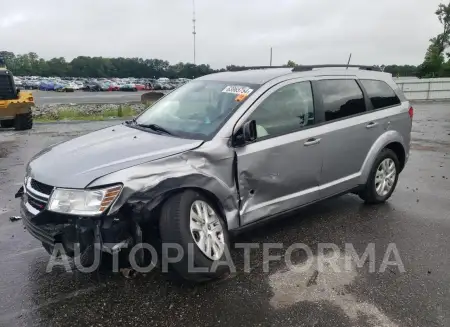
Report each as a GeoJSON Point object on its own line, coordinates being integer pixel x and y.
{"type": "Point", "coordinates": [107, 233]}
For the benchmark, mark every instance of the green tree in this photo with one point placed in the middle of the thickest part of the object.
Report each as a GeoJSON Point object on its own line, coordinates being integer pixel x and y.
{"type": "Point", "coordinates": [434, 64]}
{"type": "Point", "coordinates": [291, 63]}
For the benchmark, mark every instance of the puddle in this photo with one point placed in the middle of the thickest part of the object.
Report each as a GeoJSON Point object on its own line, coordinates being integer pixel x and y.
{"type": "Point", "coordinates": [322, 282]}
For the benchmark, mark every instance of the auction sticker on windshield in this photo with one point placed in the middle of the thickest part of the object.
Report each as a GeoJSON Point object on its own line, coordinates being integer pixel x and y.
{"type": "Point", "coordinates": [236, 89]}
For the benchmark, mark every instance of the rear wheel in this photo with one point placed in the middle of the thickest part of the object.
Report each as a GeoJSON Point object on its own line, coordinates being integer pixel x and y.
{"type": "Point", "coordinates": [7, 123]}
{"type": "Point", "coordinates": [382, 179]}
{"type": "Point", "coordinates": [191, 221]}
{"type": "Point", "coordinates": [23, 122]}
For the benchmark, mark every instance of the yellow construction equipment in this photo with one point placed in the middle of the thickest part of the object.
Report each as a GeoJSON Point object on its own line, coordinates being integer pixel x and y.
{"type": "Point", "coordinates": [15, 104]}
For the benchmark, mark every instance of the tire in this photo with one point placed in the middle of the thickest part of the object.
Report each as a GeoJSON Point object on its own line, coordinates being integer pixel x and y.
{"type": "Point", "coordinates": [369, 193]}
{"type": "Point", "coordinates": [174, 227]}
{"type": "Point", "coordinates": [7, 123]}
{"type": "Point", "coordinates": [23, 122]}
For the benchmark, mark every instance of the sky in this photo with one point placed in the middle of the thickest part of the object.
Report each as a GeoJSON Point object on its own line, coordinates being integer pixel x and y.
{"type": "Point", "coordinates": [239, 32]}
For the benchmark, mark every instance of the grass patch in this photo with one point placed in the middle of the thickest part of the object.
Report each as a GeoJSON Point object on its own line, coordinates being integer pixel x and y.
{"type": "Point", "coordinates": [74, 114]}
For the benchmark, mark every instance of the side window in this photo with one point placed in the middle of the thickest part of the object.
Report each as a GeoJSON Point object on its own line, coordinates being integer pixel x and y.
{"type": "Point", "coordinates": [380, 93]}
{"type": "Point", "coordinates": [341, 98]}
{"type": "Point", "coordinates": [285, 111]}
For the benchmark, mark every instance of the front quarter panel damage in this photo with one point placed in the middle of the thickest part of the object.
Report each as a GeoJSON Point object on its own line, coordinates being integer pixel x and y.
{"type": "Point", "coordinates": [208, 168]}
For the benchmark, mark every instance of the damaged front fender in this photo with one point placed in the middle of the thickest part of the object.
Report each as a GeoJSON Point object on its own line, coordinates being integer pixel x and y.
{"type": "Point", "coordinates": [208, 168]}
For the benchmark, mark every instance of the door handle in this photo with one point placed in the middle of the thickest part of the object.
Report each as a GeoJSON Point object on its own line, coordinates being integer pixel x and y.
{"type": "Point", "coordinates": [311, 141]}
{"type": "Point", "coordinates": [371, 124]}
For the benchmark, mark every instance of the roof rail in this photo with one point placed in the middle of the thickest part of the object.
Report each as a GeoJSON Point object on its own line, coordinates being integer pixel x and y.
{"type": "Point", "coordinates": [302, 68]}
{"type": "Point", "coordinates": [241, 68]}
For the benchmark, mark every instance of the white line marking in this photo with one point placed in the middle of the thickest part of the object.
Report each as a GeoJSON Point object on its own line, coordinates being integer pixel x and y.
{"type": "Point", "coordinates": [39, 249]}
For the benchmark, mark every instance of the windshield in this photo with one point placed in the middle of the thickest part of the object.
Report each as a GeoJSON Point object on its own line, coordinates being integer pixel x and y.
{"type": "Point", "coordinates": [197, 109]}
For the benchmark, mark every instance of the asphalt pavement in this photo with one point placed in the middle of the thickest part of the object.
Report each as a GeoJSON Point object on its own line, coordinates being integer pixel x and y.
{"type": "Point", "coordinates": [81, 97]}
{"type": "Point", "coordinates": [416, 220]}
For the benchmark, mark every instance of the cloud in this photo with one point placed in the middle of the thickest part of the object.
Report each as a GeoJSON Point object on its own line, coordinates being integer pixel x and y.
{"type": "Point", "coordinates": [228, 32]}
{"type": "Point", "coordinates": [12, 20]}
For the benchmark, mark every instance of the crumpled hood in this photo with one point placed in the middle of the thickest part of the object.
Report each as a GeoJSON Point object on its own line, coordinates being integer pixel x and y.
{"type": "Point", "coordinates": [78, 162]}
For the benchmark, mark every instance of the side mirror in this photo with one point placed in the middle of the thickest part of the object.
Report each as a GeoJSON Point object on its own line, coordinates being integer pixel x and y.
{"type": "Point", "coordinates": [249, 129]}
{"type": "Point", "coordinates": [246, 134]}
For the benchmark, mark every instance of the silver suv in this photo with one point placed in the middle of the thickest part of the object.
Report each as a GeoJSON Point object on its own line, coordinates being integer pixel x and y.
{"type": "Point", "coordinates": [217, 155]}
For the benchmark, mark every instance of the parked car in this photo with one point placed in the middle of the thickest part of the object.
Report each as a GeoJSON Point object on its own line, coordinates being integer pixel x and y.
{"type": "Point", "coordinates": [31, 85]}
{"type": "Point", "coordinates": [128, 87]}
{"type": "Point", "coordinates": [63, 87]}
{"type": "Point", "coordinates": [157, 86]}
{"type": "Point", "coordinates": [92, 87]}
{"type": "Point", "coordinates": [113, 87]}
{"type": "Point", "coordinates": [18, 82]}
{"type": "Point", "coordinates": [47, 85]}
{"type": "Point", "coordinates": [74, 86]}
{"type": "Point", "coordinates": [217, 155]}
{"type": "Point", "coordinates": [140, 87]}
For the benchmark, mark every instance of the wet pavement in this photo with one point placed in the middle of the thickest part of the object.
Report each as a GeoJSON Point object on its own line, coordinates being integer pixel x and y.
{"type": "Point", "coordinates": [416, 219]}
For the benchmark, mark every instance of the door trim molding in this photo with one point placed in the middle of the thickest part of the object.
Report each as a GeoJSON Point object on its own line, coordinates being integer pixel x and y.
{"type": "Point", "coordinates": [301, 193]}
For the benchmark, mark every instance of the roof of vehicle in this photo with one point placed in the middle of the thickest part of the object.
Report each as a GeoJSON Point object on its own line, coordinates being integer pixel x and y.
{"type": "Point", "coordinates": [263, 75]}
{"type": "Point", "coordinates": [251, 76]}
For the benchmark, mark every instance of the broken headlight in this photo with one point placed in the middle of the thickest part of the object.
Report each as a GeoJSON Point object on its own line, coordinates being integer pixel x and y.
{"type": "Point", "coordinates": [83, 202]}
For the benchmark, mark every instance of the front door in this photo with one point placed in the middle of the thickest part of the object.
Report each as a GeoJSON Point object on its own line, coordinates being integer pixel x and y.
{"type": "Point", "coordinates": [281, 169]}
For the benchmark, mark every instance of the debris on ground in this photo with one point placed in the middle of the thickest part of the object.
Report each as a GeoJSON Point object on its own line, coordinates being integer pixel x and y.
{"type": "Point", "coordinates": [313, 279]}
{"type": "Point", "coordinates": [129, 273]}
{"type": "Point", "coordinates": [14, 218]}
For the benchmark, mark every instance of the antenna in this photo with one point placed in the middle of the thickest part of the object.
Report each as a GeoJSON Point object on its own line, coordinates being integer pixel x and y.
{"type": "Point", "coordinates": [349, 59]}
{"type": "Point", "coordinates": [270, 56]}
{"type": "Point", "coordinates": [194, 33]}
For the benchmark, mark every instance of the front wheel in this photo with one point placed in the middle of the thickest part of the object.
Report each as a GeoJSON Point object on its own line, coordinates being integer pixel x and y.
{"type": "Point", "coordinates": [7, 123]}
{"type": "Point", "coordinates": [382, 178]}
{"type": "Point", "coordinates": [23, 122]}
{"type": "Point", "coordinates": [193, 222]}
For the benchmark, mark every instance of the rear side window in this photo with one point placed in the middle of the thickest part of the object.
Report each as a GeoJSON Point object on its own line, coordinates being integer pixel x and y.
{"type": "Point", "coordinates": [341, 98]}
{"type": "Point", "coordinates": [380, 93]}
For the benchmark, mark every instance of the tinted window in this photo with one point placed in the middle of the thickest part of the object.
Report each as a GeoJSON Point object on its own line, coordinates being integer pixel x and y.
{"type": "Point", "coordinates": [341, 98]}
{"type": "Point", "coordinates": [380, 93]}
{"type": "Point", "coordinates": [284, 111]}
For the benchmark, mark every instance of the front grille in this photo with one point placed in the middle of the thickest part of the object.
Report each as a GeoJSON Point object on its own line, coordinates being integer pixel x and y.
{"type": "Point", "coordinates": [38, 194]}
{"type": "Point", "coordinates": [41, 187]}
{"type": "Point", "coordinates": [7, 91]}
{"type": "Point", "coordinates": [36, 204]}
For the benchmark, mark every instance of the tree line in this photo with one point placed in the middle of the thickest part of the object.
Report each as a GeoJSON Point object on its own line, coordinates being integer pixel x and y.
{"type": "Point", "coordinates": [437, 61]}
{"type": "Point", "coordinates": [30, 64]}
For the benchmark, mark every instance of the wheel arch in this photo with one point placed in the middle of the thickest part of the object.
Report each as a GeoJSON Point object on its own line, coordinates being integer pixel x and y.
{"type": "Point", "coordinates": [215, 201]}
{"type": "Point", "coordinates": [392, 140]}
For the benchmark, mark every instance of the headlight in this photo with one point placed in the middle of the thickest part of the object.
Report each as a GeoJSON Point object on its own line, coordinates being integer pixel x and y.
{"type": "Point", "coordinates": [83, 202]}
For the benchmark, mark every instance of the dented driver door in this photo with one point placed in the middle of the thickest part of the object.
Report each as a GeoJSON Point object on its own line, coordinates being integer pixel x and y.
{"type": "Point", "coordinates": [281, 169]}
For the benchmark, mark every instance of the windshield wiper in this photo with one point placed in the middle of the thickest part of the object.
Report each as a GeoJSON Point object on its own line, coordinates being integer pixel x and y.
{"type": "Point", "coordinates": [155, 127]}
{"type": "Point", "coordinates": [129, 122]}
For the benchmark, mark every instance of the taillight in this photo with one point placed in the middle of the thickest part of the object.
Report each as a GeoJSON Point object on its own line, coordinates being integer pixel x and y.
{"type": "Point", "coordinates": [411, 112]}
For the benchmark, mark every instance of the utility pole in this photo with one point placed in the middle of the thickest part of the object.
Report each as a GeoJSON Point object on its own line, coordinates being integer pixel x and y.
{"type": "Point", "coordinates": [271, 52]}
{"type": "Point", "coordinates": [194, 33]}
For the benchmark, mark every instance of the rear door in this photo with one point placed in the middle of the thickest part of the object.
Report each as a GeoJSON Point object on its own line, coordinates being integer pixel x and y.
{"type": "Point", "coordinates": [349, 132]}
{"type": "Point", "coordinates": [281, 169]}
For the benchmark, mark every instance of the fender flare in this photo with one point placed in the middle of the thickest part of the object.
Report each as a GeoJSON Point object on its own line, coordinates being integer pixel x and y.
{"type": "Point", "coordinates": [382, 142]}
